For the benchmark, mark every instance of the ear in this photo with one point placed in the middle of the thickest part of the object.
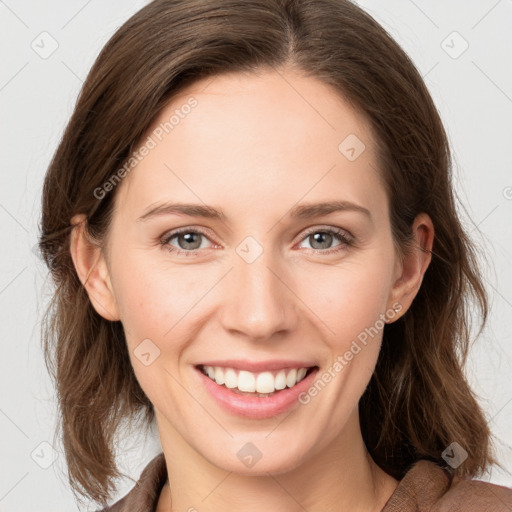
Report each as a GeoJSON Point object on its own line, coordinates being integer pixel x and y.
{"type": "Point", "coordinates": [91, 268]}
{"type": "Point", "coordinates": [409, 272]}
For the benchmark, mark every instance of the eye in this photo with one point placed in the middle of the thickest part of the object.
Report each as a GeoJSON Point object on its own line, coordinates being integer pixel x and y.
{"type": "Point", "coordinates": [188, 241]}
{"type": "Point", "coordinates": [321, 239]}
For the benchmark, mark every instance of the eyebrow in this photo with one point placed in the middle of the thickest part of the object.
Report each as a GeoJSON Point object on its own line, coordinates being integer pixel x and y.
{"type": "Point", "coordinates": [303, 211]}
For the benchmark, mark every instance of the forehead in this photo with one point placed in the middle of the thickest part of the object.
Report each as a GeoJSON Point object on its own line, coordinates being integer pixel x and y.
{"type": "Point", "coordinates": [252, 133]}
{"type": "Point", "coordinates": [264, 102]}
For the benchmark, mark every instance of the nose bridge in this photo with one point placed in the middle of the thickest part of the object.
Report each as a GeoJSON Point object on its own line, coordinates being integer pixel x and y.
{"type": "Point", "coordinates": [258, 303]}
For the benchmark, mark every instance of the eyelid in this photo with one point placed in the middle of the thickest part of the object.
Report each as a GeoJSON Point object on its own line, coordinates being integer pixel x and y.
{"type": "Point", "coordinates": [166, 237]}
{"type": "Point", "coordinates": [330, 229]}
{"type": "Point", "coordinates": [346, 237]}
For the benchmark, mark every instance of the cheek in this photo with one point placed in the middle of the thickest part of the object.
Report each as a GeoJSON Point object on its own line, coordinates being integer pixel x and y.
{"type": "Point", "coordinates": [163, 301]}
{"type": "Point", "coordinates": [158, 318]}
{"type": "Point", "coordinates": [347, 298]}
{"type": "Point", "coordinates": [152, 300]}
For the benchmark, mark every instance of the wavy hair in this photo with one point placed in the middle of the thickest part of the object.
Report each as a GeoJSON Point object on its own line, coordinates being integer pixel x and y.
{"type": "Point", "coordinates": [418, 400]}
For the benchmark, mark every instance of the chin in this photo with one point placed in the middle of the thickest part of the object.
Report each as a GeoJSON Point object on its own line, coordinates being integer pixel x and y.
{"type": "Point", "coordinates": [249, 460]}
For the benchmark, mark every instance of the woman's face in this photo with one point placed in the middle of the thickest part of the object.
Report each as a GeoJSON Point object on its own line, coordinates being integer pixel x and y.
{"type": "Point", "coordinates": [272, 279]}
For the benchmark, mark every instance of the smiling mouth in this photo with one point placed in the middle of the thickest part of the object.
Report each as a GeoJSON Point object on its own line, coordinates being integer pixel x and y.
{"type": "Point", "coordinates": [262, 384]}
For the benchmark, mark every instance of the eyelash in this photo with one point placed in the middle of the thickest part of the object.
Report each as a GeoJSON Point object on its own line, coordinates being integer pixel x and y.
{"type": "Point", "coordinates": [345, 239]}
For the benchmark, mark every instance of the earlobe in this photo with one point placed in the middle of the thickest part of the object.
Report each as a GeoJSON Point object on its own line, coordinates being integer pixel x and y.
{"type": "Point", "coordinates": [91, 268]}
{"type": "Point", "coordinates": [414, 265]}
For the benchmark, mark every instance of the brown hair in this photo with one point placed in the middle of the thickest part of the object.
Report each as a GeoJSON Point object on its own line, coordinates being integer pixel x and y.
{"type": "Point", "coordinates": [418, 400]}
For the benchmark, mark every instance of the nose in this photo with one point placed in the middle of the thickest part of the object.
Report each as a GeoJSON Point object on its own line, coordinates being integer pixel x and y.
{"type": "Point", "coordinates": [259, 302]}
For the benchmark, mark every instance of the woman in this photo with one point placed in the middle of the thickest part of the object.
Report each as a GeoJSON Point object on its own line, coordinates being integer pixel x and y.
{"type": "Point", "coordinates": [252, 229]}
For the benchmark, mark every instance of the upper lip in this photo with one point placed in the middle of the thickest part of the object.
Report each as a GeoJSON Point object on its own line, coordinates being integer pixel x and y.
{"type": "Point", "coordinates": [258, 366]}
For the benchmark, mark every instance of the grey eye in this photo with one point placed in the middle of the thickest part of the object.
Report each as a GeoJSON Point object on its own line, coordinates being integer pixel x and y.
{"type": "Point", "coordinates": [322, 239]}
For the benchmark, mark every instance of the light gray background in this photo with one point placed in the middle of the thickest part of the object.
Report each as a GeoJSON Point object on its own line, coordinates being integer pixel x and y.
{"type": "Point", "coordinates": [473, 92]}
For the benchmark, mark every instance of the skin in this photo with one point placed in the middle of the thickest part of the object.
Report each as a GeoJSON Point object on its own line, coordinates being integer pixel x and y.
{"type": "Point", "coordinates": [255, 146]}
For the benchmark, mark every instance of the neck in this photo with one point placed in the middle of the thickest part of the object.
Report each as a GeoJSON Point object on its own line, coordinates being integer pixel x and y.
{"type": "Point", "coordinates": [342, 476]}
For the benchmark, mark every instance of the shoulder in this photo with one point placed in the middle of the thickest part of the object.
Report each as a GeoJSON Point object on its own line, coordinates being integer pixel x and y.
{"type": "Point", "coordinates": [476, 495]}
{"type": "Point", "coordinates": [427, 486]}
{"type": "Point", "coordinates": [145, 493]}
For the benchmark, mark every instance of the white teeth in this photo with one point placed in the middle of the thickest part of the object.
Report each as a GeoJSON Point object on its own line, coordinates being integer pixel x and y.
{"type": "Point", "coordinates": [246, 381]}
{"type": "Point", "coordinates": [291, 379]}
{"type": "Point", "coordinates": [231, 379]}
{"type": "Point", "coordinates": [265, 383]}
{"type": "Point", "coordinates": [219, 376]}
{"type": "Point", "coordinates": [258, 383]}
{"type": "Point", "coordinates": [280, 381]}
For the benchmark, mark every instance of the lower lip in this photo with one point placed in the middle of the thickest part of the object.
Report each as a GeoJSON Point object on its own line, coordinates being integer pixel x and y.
{"type": "Point", "coordinates": [253, 406]}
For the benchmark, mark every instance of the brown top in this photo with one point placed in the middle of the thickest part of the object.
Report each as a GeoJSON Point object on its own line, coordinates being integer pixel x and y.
{"type": "Point", "coordinates": [425, 487]}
